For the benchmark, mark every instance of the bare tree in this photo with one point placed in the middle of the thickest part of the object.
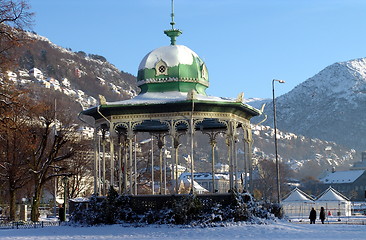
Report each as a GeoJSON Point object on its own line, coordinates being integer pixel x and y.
{"type": "Point", "coordinates": [81, 167]}
{"type": "Point", "coordinates": [17, 113]}
{"type": "Point", "coordinates": [266, 182]}
{"type": "Point", "coordinates": [54, 145]}
{"type": "Point", "coordinates": [15, 16]}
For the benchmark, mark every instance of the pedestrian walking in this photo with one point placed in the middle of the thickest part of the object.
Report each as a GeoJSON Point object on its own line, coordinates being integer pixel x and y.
{"type": "Point", "coordinates": [322, 215]}
{"type": "Point", "coordinates": [312, 216]}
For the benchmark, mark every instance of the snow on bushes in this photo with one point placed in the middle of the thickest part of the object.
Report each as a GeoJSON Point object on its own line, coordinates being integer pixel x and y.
{"type": "Point", "coordinates": [183, 210]}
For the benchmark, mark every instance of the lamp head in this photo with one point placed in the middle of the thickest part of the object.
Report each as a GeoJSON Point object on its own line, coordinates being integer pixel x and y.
{"type": "Point", "coordinates": [280, 81]}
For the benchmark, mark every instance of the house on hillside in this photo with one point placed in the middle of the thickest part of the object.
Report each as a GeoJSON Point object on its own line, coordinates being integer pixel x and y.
{"type": "Point", "coordinates": [36, 73]}
{"type": "Point", "coordinates": [12, 76]}
{"type": "Point", "coordinates": [66, 83]}
{"type": "Point", "coordinates": [350, 183]}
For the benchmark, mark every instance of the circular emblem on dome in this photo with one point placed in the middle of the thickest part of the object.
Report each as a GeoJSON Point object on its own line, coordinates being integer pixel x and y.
{"type": "Point", "coordinates": [161, 68]}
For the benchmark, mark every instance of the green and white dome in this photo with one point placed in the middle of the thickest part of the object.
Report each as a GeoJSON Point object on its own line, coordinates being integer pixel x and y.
{"type": "Point", "coordinates": [172, 68]}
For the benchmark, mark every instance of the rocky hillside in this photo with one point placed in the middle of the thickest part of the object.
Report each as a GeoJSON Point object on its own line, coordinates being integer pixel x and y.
{"type": "Point", "coordinates": [306, 156]}
{"type": "Point", "coordinates": [79, 75]}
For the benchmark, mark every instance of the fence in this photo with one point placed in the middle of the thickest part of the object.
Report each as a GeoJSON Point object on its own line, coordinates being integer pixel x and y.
{"type": "Point", "coordinates": [25, 225]}
{"type": "Point", "coordinates": [354, 220]}
{"type": "Point", "coordinates": [143, 203]}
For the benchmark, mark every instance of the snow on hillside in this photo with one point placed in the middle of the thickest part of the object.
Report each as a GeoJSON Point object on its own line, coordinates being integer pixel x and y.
{"type": "Point", "coordinates": [65, 50]}
{"type": "Point", "coordinates": [329, 106]}
{"type": "Point", "coordinates": [82, 70]}
{"type": "Point", "coordinates": [36, 76]}
{"type": "Point", "coordinates": [44, 39]}
{"type": "Point", "coordinates": [300, 152]}
{"type": "Point", "coordinates": [343, 80]}
{"type": "Point", "coordinates": [257, 102]}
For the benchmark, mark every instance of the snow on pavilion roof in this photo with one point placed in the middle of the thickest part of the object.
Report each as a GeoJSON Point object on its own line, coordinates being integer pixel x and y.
{"type": "Point", "coordinates": [173, 55]}
{"type": "Point", "coordinates": [167, 97]}
{"type": "Point", "coordinates": [205, 176]}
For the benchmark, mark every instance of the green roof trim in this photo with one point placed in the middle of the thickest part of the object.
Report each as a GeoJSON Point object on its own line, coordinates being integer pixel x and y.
{"type": "Point", "coordinates": [179, 86]}
{"type": "Point", "coordinates": [173, 34]}
{"type": "Point", "coordinates": [181, 71]}
{"type": "Point", "coordinates": [239, 109]}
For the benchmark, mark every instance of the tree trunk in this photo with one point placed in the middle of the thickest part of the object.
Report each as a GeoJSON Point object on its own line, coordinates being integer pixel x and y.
{"type": "Point", "coordinates": [35, 204]}
{"type": "Point", "coordinates": [12, 206]}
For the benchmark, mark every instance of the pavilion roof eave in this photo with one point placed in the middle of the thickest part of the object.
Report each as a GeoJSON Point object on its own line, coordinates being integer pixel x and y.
{"type": "Point", "coordinates": [238, 108]}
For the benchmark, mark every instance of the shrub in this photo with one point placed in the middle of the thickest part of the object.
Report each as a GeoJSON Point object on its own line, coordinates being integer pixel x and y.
{"type": "Point", "coordinates": [185, 209]}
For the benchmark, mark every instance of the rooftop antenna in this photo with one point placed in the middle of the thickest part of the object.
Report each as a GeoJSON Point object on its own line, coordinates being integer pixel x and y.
{"type": "Point", "coordinates": [172, 33]}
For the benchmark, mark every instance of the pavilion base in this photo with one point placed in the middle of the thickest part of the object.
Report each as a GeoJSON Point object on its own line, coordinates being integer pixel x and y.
{"type": "Point", "coordinates": [166, 209]}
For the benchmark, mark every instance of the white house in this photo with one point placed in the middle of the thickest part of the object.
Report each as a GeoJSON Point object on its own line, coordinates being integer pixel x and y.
{"type": "Point", "coordinates": [12, 76]}
{"type": "Point", "coordinates": [220, 167]}
{"type": "Point", "coordinates": [36, 73]}
{"type": "Point", "coordinates": [66, 82]}
{"type": "Point", "coordinates": [23, 74]}
{"type": "Point", "coordinates": [204, 179]}
{"type": "Point", "coordinates": [185, 183]}
{"type": "Point", "coordinates": [86, 132]}
{"type": "Point", "coordinates": [53, 81]}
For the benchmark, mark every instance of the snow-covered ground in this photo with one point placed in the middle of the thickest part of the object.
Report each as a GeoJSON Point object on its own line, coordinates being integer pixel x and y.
{"type": "Point", "coordinates": [277, 230]}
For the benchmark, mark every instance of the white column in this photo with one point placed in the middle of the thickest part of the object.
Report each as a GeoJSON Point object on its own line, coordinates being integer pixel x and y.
{"type": "Point", "coordinates": [160, 146]}
{"type": "Point", "coordinates": [152, 166]}
{"type": "Point", "coordinates": [103, 165]}
{"type": "Point", "coordinates": [119, 164]}
{"type": "Point", "coordinates": [250, 163]}
{"type": "Point", "coordinates": [111, 153]}
{"type": "Point", "coordinates": [135, 165]}
{"type": "Point", "coordinates": [229, 151]}
{"type": "Point", "coordinates": [248, 156]}
{"type": "Point", "coordinates": [235, 152]}
{"type": "Point", "coordinates": [125, 168]}
{"type": "Point", "coordinates": [213, 145]}
{"type": "Point", "coordinates": [130, 147]}
{"type": "Point", "coordinates": [96, 162]}
{"type": "Point", "coordinates": [192, 153]}
{"type": "Point", "coordinates": [176, 169]}
{"type": "Point", "coordinates": [246, 149]}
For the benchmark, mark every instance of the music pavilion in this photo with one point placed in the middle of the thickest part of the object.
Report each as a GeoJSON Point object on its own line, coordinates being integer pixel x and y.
{"type": "Point", "coordinates": [172, 105]}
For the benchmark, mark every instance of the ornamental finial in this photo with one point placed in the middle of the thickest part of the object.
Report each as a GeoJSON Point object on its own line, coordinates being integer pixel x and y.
{"type": "Point", "coordinates": [172, 15]}
{"type": "Point", "coordinates": [172, 33]}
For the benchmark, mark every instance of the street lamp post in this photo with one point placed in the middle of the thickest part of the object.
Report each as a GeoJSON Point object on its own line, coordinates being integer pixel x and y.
{"type": "Point", "coordinates": [275, 140]}
{"type": "Point", "coordinates": [65, 181]}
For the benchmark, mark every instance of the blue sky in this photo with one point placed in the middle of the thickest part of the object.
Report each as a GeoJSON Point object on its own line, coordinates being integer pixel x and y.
{"type": "Point", "coordinates": [245, 43]}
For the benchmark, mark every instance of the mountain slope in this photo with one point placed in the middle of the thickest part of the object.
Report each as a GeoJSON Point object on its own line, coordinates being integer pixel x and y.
{"type": "Point", "coordinates": [91, 73]}
{"type": "Point", "coordinates": [329, 106]}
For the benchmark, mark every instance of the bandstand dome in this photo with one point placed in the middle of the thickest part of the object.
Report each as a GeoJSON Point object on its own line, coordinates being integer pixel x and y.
{"type": "Point", "coordinates": [172, 68]}
{"type": "Point", "coordinates": [172, 102]}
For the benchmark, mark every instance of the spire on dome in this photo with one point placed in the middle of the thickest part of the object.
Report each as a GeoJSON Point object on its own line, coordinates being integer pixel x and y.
{"type": "Point", "coordinates": [172, 15]}
{"type": "Point", "coordinates": [172, 33]}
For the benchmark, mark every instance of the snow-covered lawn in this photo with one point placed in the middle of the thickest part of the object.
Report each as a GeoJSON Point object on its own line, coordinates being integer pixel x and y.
{"type": "Point", "coordinates": [277, 230]}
